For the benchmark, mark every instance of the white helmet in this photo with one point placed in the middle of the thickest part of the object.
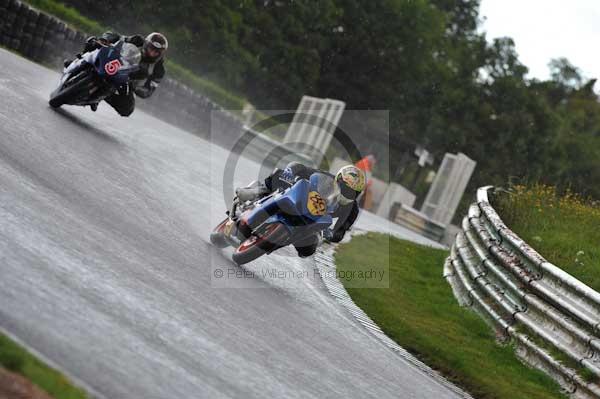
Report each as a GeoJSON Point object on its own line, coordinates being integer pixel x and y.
{"type": "Point", "coordinates": [155, 46]}
{"type": "Point", "coordinates": [351, 181]}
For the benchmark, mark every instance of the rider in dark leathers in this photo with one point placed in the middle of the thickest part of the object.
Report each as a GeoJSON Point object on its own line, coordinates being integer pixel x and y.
{"type": "Point", "coordinates": [143, 82]}
{"type": "Point", "coordinates": [350, 180]}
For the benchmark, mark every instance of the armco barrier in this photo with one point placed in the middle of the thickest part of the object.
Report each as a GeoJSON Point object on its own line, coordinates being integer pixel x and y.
{"type": "Point", "coordinates": [46, 39]}
{"type": "Point", "coordinates": [550, 315]}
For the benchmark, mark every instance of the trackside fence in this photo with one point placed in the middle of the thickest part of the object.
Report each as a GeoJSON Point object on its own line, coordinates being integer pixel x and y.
{"type": "Point", "coordinates": [552, 318]}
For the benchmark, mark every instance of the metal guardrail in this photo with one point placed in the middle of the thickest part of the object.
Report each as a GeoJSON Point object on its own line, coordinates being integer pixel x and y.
{"type": "Point", "coordinates": [552, 318]}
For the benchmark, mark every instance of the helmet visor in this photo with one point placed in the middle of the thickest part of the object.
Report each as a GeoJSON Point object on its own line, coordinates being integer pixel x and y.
{"type": "Point", "coordinates": [154, 49]}
{"type": "Point", "coordinates": [157, 45]}
{"type": "Point", "coordinates": [347, 192]}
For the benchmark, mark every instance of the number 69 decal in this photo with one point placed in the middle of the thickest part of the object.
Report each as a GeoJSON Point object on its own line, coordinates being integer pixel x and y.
{"type": "Point", "coordinates": [316, 204]}
{"type": "Point", "coordinates": [112, 67]}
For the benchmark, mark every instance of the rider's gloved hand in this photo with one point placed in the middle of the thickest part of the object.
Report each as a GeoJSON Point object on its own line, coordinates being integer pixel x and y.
{"type": "Point", "coordinates": [137, 40]}
{"type": "Point", "coordinates": [333, 236]}
{"type": "Point", "coordinates": [90, 44]}
{"type": "Point", "coordinates": [146, 90]}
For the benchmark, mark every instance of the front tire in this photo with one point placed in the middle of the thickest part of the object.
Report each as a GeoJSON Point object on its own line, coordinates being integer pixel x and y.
{"type": "Point", "coordinates": [217, 237]}
{"type": "Point", "coordinates": [267, 240]}
{"type": "Point", "coordinates": [70, 90]}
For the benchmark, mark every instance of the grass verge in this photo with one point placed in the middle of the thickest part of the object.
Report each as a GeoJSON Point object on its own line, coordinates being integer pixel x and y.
{"type": "Point", "coordinates": [16, 359]}
{"type": "Point", "coordinates": [420, 313]}
{"type": "Point", "coordinates": [562, 228]}
{"type": "Point", "coordinates": [72, 17]}
{"type": "Point", "coordinates": [68, 15]}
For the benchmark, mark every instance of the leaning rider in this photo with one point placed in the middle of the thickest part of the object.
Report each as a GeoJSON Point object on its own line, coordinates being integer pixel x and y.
{"type": "Point", "coordinates": [350, 181]}
{"type": "Point", "coordinates": [143, 82]}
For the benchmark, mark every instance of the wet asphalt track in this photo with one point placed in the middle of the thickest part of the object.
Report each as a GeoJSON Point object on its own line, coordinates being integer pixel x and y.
{"type": "Point", "coordinates": [105, 268]}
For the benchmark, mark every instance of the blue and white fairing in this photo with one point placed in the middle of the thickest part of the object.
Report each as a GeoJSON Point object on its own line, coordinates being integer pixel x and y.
{"type": "Point", "coordinates": [304, 208]}
{"type": "Point", "coordinates": [112, 63]}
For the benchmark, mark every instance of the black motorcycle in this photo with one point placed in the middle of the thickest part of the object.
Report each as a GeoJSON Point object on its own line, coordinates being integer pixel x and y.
{"type": "Point", "coordinates": [96, 75]}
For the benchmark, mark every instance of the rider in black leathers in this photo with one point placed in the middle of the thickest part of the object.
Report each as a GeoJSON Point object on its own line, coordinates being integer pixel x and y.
{"type": "Point", "coordinates": [143, 82]}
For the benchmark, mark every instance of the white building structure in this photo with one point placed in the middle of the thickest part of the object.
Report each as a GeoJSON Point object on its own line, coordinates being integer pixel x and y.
{"type": "Point", "coordinates": [313, 126]}
{"type": "Point", "coordinates": [448, 187]}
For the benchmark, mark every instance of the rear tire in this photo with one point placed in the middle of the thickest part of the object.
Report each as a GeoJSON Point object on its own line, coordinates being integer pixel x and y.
{"type": "Point", "coordinates": [267, 240]}
{"type": "Point", "coordinates": [67, 94]}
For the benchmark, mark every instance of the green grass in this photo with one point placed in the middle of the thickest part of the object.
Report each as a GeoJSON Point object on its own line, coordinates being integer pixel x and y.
{"type": "Point", "coordinates": [218, 94]}
{"type": "Point", "coordinates": [19, 361]}
{"type": "Point", "coordinates": [420, 313]}
{"type": "Point", "coordinates": [72, 17]}
{"type": "Point", "coordinates": [68, 15]}
{"type": "Point", "coordinates": [562, 228]}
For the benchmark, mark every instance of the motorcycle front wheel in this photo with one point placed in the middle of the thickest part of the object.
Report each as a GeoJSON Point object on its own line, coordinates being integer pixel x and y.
{"type": "Point", "coordinates": [217, 237]}
{"type": "Point", "coordinates": [265, 240]}
{"type": "Point", "coordinates": [71, 90]}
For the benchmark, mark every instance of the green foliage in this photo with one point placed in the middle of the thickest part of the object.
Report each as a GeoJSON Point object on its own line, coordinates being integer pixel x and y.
{"type": "Point", "coordinates": [10, 357]}
{"type": "Point", "coordinates": [68, 14]}
{"type": "Point", "coordinates": [425, 61]}
{"type": "Point", "coordinates": [18, 360]}
{"type": "Point", "coordinates": [564, 73]}
{"type": "Point", "coordinates": [215, 92]}
{"type": "Point", "coordinates": [420, 313]}
{"type": "Point", "coordinates": [562, 227]}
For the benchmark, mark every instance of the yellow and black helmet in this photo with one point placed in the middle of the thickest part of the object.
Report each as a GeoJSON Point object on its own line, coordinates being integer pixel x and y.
{"type": "Point", "coordinates": [351, 181]}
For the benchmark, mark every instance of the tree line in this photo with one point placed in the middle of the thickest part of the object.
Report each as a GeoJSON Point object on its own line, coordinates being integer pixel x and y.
{"type": "Point", "coordinates": [447, 88]}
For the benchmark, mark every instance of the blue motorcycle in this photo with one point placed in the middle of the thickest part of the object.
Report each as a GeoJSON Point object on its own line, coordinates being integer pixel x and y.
{"type": "Point", "coordinates": [96, 75]}
{"type": "Point", "coordinates": [279, 219]}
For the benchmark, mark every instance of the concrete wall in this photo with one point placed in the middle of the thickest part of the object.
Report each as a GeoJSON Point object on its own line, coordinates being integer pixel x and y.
{"type": "Point", "coordinates": [419, 222]}
{"type": "Point", "coordinates": [395, 194]}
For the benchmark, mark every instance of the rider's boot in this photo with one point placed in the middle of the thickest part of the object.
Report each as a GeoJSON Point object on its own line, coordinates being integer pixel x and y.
{"type": "Point", "coordinates": [94, 106]}
{"type": "Point", "coordinates": [307, 246]}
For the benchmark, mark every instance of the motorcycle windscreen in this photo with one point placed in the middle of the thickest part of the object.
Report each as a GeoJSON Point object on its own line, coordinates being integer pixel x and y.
{"type": "Point", "coordinates": [114, 63]}
{"type": "Point", "coordinates": [327, 200]}
{"type": "Point", "coordinates": [130, 62]}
